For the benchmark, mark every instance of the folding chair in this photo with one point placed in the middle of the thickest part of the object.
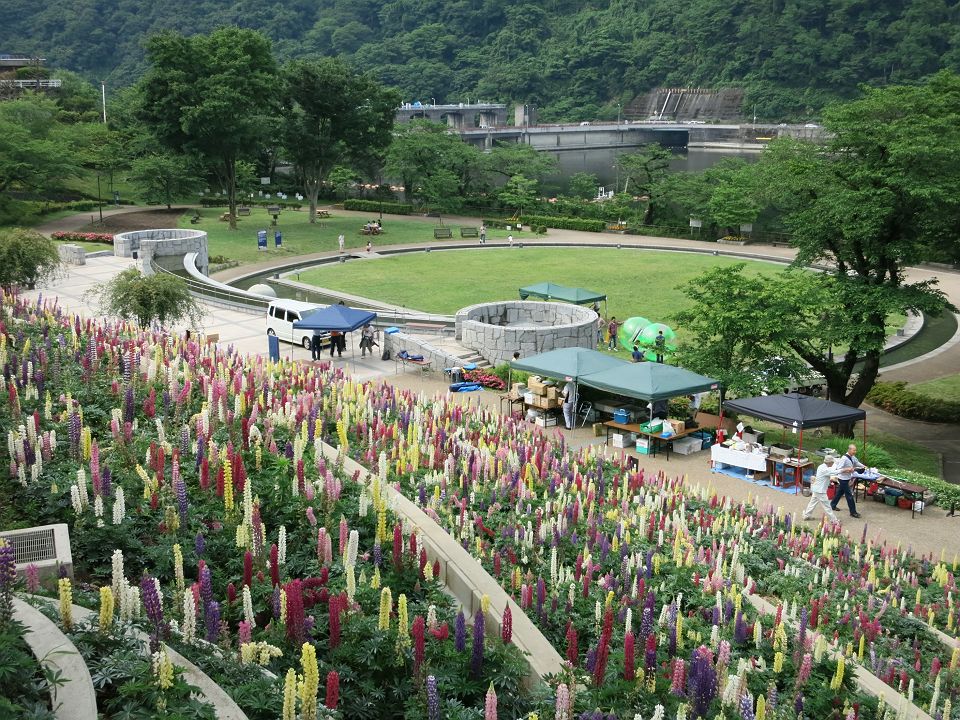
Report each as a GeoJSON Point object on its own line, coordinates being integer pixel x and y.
{"type": "Point", "coordinates": [584, 411]}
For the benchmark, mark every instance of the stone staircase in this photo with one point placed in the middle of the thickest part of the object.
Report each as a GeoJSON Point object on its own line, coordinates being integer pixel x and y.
{"type": "Point", "coordinates": [450, 346]}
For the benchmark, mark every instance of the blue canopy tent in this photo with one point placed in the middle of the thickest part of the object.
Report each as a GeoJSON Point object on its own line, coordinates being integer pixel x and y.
{"type": "Point", "coordinates": [335, 318]}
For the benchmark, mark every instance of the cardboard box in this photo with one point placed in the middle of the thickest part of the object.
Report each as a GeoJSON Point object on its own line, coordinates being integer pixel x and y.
{"type": "Point", "coordinates": [519, 389]}
{"type": "Point", "coordinates": [529, 397]}
{"type": "Point", "coordinates": [643, 446]}
{"type": "Point", "coordinates": [535, 385]}
{"type": "Point", "coordinates": [678, 425]}
{"type": "Point", "coordinates": [623, 440]}
{"type": "Point", "coordinates": [687, 445]}
{"type": "Point", "coordinates": [546, 421]}
{"type": "Point", "coordinates": [553, 393]}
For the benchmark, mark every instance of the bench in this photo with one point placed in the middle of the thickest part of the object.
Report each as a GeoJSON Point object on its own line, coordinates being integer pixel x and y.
{"type": "Point", "coordinates": [424, 365]}
{"type": "Point", "coordinates": [243, 211]}
{"type": "Point", "coordinates": [323, 213]}
{"type": "Point", "coordinates": [195, 219]}
{"type": "Point", "coordinates": [442, 233]}
{"type": "Point", "coordinates": [469, 232]}
{"type": "Point", "coordinates": [226, 217]}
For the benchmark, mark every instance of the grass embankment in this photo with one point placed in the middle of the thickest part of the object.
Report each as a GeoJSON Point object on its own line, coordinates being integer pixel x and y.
{"type": "Point", "coordinates": [302, 238]}
{"type": "Point", "coordinates": [944, 388]}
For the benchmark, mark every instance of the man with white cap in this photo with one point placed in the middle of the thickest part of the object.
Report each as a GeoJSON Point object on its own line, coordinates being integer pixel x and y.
{"type": "Point", "coordinates": [569, 403]}
{"type": "Point", "coordinates": [818, 490]}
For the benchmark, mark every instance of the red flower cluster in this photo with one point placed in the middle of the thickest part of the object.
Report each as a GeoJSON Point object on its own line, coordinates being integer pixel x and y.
{"type": "Point", "coordinates": [83, 237]}
{"type": "Point", "coordinates": [485, 379]}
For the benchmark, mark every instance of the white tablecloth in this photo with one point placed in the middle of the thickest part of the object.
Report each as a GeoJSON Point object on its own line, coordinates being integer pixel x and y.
{"type": "Point", "coordinates": [729, 456]}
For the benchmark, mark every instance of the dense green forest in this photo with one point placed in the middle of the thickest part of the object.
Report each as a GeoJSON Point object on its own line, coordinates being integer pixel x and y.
{"type": "Point", "coordinates": [574, 59]}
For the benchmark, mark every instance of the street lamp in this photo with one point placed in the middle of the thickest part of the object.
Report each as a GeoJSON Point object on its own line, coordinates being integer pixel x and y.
{"type": "Point", "coordinates": [433, 101]}
{"type": "Point", "coordinates": [618, 113]}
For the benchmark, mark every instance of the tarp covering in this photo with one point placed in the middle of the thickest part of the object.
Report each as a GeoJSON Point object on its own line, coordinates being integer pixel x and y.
{"type": "Point", "coordinates": [552, 291]}
{"type": "Point", "coordinates": [335, 317]}
{"type": "Point", "coordinates": [794, 409]}
{"type": "Point", "coordinates": [649, 381]}
{"type": "Point", "coordinates": [575, 362]}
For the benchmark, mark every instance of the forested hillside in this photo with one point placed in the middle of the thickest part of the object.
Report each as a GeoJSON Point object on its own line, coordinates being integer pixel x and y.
{"type": "Point", "coordinates": [572, 58]}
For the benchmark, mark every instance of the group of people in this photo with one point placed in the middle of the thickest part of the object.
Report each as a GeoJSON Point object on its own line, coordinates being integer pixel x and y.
{"type": "Point", "coordinates": [342, 241]}
{"type": "Point", "coordinates": [843, 470]}
{"type": "Point", "coordinates": [338, 342]}
{"type": "Point", "coordinates": [613, 327]}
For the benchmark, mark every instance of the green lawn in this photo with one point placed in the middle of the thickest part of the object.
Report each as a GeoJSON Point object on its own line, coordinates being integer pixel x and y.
{"type": "Point", "coordinates": [301, 238]}
{"type": "Point", "coordinates": [945, 388]}
{"type": "Point", "coordinates": [636, 282]}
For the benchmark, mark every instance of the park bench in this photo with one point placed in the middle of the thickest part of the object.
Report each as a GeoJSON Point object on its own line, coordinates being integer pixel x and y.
{"type": "Point", "coordinates": [442, 233]}
{"type": "Point", "coordinates": [243, 211]}
{"type": "Point", "coordinates": [323, 213]}
{"type": "Point", "coordinates": [469, 232]}
{"type": "Point", "coordinates": [195, 219]}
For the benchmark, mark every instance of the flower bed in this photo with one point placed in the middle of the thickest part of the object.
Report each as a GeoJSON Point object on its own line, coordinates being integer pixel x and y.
{"type": "Point", "coordinates": [105, 238]}
{"type": "Point", "coordinates": [198, 499]}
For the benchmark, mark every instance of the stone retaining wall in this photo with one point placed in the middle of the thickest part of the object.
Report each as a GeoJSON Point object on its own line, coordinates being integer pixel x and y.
{"type": "Point", "coordinates": [395, 342]}
{"type": "Point", "coordinates": [153, 244]}
{"type": "Point", "coordinates": [73, 254]}
{"type": "Point", "coordinates": [497, 330]}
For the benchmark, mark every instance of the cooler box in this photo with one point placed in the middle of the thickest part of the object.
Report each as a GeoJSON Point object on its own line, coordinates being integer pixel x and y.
{"type": "Point", "coordinates": [687, 445]}
{"type": "Point", "coordinates": [706, 440]}
{"type": "Point", "coordinates": [623, 440]}
{"type": "Point", "coordinates": [654, 426]}
{"type": "Point", "coordinates": [621, 415]}
{"type": "Point", "coordinates": [643, 446]}
{"type": "Point", "coordinates": [546, 421]}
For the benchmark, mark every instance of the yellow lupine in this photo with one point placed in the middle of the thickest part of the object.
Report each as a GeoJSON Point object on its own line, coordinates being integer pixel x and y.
{"type": "Point", "coordinates": [290, 696]}
{"type": "Point", "coordinates": [311, 682]}
{"type": "Point", "coordinates": [386, 603]}
{"type": "Point", "coordinates": [66, 603]}
{"type": "Point", "coordinates": [106, 608]}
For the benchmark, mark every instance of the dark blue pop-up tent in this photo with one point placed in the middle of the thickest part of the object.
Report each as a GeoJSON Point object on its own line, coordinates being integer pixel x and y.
{"type": "Point", "coordinates": [336, 318]}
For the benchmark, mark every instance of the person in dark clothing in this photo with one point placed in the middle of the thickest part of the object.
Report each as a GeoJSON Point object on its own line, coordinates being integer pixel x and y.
{"type": "Point", "coordinates": [636, 354]}
{"type": "Point", "coordinates": [660, 343]}
{"type": "Point", "coordinates": [315, 346]}
{"type": "Point", "coordinates": [846, 466]}
{"type": "Point", "coordinates": [335, 342]}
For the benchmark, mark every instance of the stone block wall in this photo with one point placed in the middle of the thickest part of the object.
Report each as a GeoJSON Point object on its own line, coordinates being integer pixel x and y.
{"type": "Point", "coordinates": [497, 330]}
{"type": "Point", "coordinates": [73, 254]}
{"type": "Point", "coordinates": [395, 342]}
{"type": "Point", "coordinates": [151, 244]}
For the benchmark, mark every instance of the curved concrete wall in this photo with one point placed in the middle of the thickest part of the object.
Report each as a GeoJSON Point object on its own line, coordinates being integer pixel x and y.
{"type": "Point", "coordinates": [497, 330]}
{"type": "Point", "coordinates": [169, 242]}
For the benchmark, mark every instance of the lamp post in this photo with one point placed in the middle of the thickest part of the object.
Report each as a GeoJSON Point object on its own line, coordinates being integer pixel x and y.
{"type": "Point", "coordinates": [619, 107]}
{"type": "Point", "coordinates": [433, 102]}
{"type": "Point", "coordinates": [103, 98]}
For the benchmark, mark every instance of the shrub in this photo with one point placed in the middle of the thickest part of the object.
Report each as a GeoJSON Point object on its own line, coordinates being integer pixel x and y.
{"type": "Point", "coordinates": [377, 206]}
{"type": "Point", "coordinates": [83, 237]}
{"type": "Point", "coordinates": [27, 257]}
{"type": "Point", "coordinates": [485, 378]}
{"type": "Point", "coordinates": [566, 223]}
{"type": "Point", "coordinates": [947, 493]}
{"type": "Point", "coordinates": [874, 455]}
{"type": "Point", "coordinates": [897, 398]}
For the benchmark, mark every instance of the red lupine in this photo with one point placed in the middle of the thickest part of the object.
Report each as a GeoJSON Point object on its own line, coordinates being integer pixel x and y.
{"type": "Point", "coordinates": [603, 651]}
{"type": "Point", "coordinates": [333, 690]}
{"type": "Point", "coordinates": [248, 569]}
{"type": "Point", "coordinates": [231, 594]}
{"type": "Point", "coordinates": [417, 631]}
{"type": "Point", "coordinates": [295, 614]}
{"type": "Point", "coordinates": [506, 627]}
{"type": "Point", "coordinates": [573, 652]}
{"type": "Point", "coordinates": [628, 656]}
{"type": "Point", "coordinates": [274, 565]}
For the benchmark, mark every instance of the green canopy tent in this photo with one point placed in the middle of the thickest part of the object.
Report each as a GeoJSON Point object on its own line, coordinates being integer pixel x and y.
{"type": "Point", "coordinates": [649, 381]}
{"type": "Point", "coordinates": [575, 362]}
{"type": "Point", "coordinates": [552, 291]}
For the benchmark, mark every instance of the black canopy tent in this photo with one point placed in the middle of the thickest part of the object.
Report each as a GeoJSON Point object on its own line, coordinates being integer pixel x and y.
{"type": "Point", "coordinates": [798, 411]}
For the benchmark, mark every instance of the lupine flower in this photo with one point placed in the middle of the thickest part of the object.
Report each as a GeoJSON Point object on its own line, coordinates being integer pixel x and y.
{"type": "Point", "coordinates": [333, 690]}
{"type": "Point", "coordinates": [433, 699]}
{"type": "Point", "coordinates": [8, 576]}
{"type": "Point", "coordinates": [311, 682]}
{"type": "Point", "coordinates": [211, 618]}
{"type": "Point", "coordinates": [32, 578]}
{"type": "Point", "coordinates": [295, 614]}
{"type": "Point", "coordinates": [151, 602]}
{"type": "Point", "coordinates": [460, 632]}
{"type": "Point", "coordinates": [562, 707]}
{"type": "Point", "coordinates": [418, 632]}
{"type": "Point", "coordinates": [573, 652]}
{"type": "Point", "coordinates": [476, 658]}
{"type": "Point", "coordinates": [628, 656]}
{"type": "Point", "coordinates": [603, 650]}
{"type": "Point", "coordinates": [506, 626]}
{"type": "Point", "coordinates": [490, 704]}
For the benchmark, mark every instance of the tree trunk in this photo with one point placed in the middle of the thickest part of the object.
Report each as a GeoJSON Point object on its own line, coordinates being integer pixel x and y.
{"type": "Point", "coordinates": [866, 379]}
{"type": "Point", "coordinates": [648, 213]}
{"type": "Point", "coordinates": [311, 188]}
{"type": "Point", "coordinates": [230, 166]}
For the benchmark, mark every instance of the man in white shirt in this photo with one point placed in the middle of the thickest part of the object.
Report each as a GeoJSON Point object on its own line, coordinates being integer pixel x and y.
{"type": "Point", "coordinates": [818, 491]}
{"type": "Point", "coordinates": [569, 403]}
{"type": "Point", "coordinates": [340, 241]}
{"type": "Point", "coordinates": [846, 467]}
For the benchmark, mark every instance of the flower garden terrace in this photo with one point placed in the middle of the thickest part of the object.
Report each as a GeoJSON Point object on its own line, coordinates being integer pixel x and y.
{"type": "Point", "coordinates": [645, 584]}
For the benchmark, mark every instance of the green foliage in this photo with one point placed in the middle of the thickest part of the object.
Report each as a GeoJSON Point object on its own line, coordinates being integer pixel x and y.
{"type": "Point", "coordinates": [212, 96]}
{"type": "Point", "coordinates": [24, 689]}
{"type": "Point", "coordinates": [162, 297]}
{"type": "Point", "coordinates": [164, 177]}
{"type": "Point", "coordinates": [36, 148]}
{"type": "Point", "coordinates": [574, 60]}
{"type": "Point", "coordinates": [332, 116]}
{"type": "Point", "coordinates": [583, 185]}
{"type": "Point", "coordinates": [873, 454]}
{"type": "Point", "coordinates": [897, 398]}
{"type": "Point", "coordinates": [26, 257]}
{"type": "Point", "coordinates": [376, 205]}
{"type": "Point", "coordinates": [519, 191]}
{"type": "Point", "coordinates": [565, 223]}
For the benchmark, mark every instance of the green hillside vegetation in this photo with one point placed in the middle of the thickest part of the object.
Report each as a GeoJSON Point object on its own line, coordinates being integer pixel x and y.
{"type": "Point", "coordinates": [572, 59]}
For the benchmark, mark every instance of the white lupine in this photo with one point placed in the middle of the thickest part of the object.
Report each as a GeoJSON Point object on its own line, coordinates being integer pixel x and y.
{"type": "Point", "coordinates": [282, 546]}
{"type": "Point", "coordinates": [74, 498]}
{"type": "Point", "coordinates": [117, 579]}
{"type": "Point", "coordinates": [628, 621]}
{"type": "Point", "coordinates": [82, 487]}
{"type": "Point", "coordinates": [658, 713]}
{"type": "Point", "coordinates": [189, 617]}
{"type": "Point", "coordinates": [353, 542]}
{"type": "Point", "coordinates": [248, 607]}
{"type": "Point", "coordinates": [98, 510]}
{"type": "Point", "coordinates": [119, 506]}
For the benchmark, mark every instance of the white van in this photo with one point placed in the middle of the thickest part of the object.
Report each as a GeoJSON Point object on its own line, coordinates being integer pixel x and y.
{"type": "Point", "coordinates": [282, 314]}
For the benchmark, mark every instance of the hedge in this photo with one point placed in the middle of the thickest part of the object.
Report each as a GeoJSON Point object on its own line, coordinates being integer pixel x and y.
{"type": "Point", "coordinates": [565, 223]}
{"type": "Point", "coordinates": [222, 202]}
{"type": "Point", "coordinates": [376, 206]}
{"type": "Point", "coordinates": [897, 398]}
{"type": "Point", "coordinates": [83, 237]}
{"type": "Point", "coordinates": [947, 494]}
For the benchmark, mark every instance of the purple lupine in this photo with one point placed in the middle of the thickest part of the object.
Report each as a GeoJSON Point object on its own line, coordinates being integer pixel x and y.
{"type": "Point", "coordinates": [672, 640]}
{"type": "Point", "coordinates": [105, 482]}
{"type": "Point", "coordinates": [8, 575]}
{"type": "Point", "coordinates": [185, 440]}
{"type": "Point", "coordinates": [422, 494]}
{"type": "Point", "coordinates": [211, 618]}
{"type": "Point", "coordinates": [746, 707]}
{"type": "Point", "coordinates": [646, 622]}
{"type": "Point", "coordinates": [377, 555]}
{"type": "Point", "coordinates": [739, 629]}
{"type": "Point", "coordinates": [180, 489]}
{"type": "Point", "coordinates": [591, 662]}
{"type": "Point", "coordinates": [433, 699]}
{"type": "Point", "coordinates": [701, 681]}
{"type": "Point", "coordinates": [460, 633]}
{"type": "Point", "coordinates": [541, 594]}
{"type": "Point", "coordinates": [151, 600]}
{"type": "Point", "coordinates": [476, 658]}
{"type": "Point", "coordinates": [128, 405]}
{"type": "Point", "coordinates": [276, 601]}
{"type": "Point", "coordinates": [772, 696]}
{"type": "Point", "coordinates": [798, 701]}
{"type": "Point", "coordinates": [206, 586]}
{"type": "Point", "coordinates": [199, 544]}
{"type": "Point", "coordinates": [802, 632]}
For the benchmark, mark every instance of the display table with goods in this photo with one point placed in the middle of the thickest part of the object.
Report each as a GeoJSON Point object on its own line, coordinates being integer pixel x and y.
{"type": "Point", "coordinates": [896, 493]}
{"type": "Point", "coordinates": [743, 458]}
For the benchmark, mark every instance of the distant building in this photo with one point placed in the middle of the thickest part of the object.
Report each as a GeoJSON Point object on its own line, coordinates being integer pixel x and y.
{"type": "Point", "coordinates": [19, 73]}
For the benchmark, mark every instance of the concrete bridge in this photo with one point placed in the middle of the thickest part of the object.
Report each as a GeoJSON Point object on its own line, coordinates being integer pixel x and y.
{"type": "Point", "coordinates": [460, 115]}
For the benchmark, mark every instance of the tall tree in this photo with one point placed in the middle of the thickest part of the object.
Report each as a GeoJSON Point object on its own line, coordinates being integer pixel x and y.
{"type": "Point", "coordinates": [643, 170]}
{"type": "Point", "coordinates": [332, 116]}
{"type": "Point", "coordinates": [211, 95]}
{"type": "Point", "coordinates": [883, 195]}
{"type": "Point", "coordinates": [519, 191]}
{"type": "Point", "coordinates": [164, 176]}
{"type": "Point", "coordinates": [36, 149]}
{"type": "Point", "coordinates": [508, 159]}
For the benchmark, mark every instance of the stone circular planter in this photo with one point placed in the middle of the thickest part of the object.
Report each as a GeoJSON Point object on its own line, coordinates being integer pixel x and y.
{"type": "Point", "coordinates": [154, 244]}
{"type": "Point", "coordinates": [497, 330]}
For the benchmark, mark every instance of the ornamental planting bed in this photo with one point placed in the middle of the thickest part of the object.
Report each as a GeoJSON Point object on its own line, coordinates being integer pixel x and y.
{"type": "Point", "coordinates": [201, 510]}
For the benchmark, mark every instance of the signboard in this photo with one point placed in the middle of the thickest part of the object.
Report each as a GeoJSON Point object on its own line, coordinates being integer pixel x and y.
{"type": "Point", "coordinates": [261, 239]}
{"type": "Point", "coordinates": [746, 227]}
{"type": "Point", "coordinates": [273, 347]}
{"type": "Point", "coordinates": [264, 181]}
{"type": "Point", "coordinates": [696, 223]}
{"type": "Point", "coordinates": [277, 238]}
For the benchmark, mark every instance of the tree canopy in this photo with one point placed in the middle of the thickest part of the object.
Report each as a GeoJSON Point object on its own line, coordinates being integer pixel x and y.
{"type": "Point", "coordinates": [145, 298]}
{"type": "Point", "coordinates": [26, 257]}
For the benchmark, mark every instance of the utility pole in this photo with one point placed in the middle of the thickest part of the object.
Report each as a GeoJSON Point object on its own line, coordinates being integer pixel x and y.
{"type": "Point", "coordinates": [619, 107]}
{"type": "Point", "coordinates": [103, 96]}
